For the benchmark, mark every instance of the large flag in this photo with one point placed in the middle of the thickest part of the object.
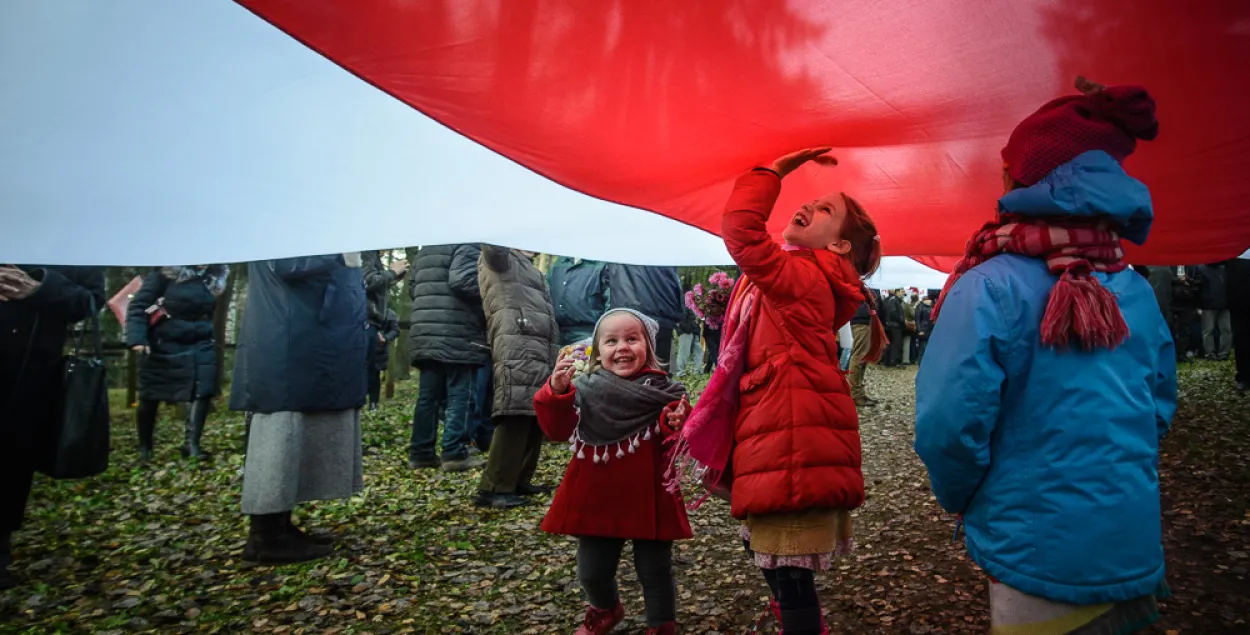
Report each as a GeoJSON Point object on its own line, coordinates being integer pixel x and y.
{"type": "Point", "coordinates": [206, 131]}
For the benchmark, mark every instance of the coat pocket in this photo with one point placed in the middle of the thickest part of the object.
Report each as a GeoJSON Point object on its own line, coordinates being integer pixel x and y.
{"type": "Point", "coordinates": [761, 375]}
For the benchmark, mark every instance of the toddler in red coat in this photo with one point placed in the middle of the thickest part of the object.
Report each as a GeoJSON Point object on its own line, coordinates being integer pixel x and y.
{"type": "Point", "coordinates": [617, 416]}
{"type": "Point", "coordinates": [776, 427]}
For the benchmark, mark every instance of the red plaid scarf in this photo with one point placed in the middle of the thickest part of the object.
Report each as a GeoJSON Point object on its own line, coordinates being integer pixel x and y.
{"type": "Point", "coordinates": [1079, 307]}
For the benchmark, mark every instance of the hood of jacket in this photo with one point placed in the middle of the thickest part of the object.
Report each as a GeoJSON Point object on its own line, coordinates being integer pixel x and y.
{"type": "Point", "coordinates": [214, 276]}
{"type": "Point", "coordinates": [1091, 185]}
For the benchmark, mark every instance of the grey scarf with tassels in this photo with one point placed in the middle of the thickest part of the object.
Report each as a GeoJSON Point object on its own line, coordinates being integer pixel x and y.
{"type": "Point", "coordinates": [616, 411]}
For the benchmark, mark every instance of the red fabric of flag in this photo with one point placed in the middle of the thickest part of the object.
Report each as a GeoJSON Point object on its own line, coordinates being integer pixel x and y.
{"type": "Point", "coordinates": [660, 104]}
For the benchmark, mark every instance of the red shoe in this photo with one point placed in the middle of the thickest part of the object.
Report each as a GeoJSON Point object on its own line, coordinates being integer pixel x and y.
{"type": "Point", "coordinates": [669, 628]}
{"type": "Point", "coordinates": [599, 621]}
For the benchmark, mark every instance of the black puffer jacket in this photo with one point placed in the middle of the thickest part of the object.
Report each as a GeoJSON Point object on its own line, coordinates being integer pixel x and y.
{"type": "Point", "coordinates": [523, 332]}
{"type": "Point", "coordinates": [182, 364]}
{"type": "Point", "coordinates": [448, 325]}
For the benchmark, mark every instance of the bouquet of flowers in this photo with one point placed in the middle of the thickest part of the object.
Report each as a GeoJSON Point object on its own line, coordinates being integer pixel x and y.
{"type": "Point", "coordinates": [581, 353]}
{"type": "Point", "coordinates": [709, 303]}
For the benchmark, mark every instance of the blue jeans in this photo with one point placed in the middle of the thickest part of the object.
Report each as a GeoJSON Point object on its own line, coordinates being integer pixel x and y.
{"type": "Point", "coordinates": [481, 428]}
{"type": "Point", "coordinates": [446, 387]}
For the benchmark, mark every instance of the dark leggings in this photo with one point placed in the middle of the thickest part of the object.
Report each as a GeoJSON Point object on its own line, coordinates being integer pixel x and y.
{"type": "Point", "coordinates": [597, 559]}
{"type": "Point", "coordinates": [794, 588]}
{"type": "Point", "coordinates": [375, 386]}
{"type": "Point", "coordinates": [197, 412]}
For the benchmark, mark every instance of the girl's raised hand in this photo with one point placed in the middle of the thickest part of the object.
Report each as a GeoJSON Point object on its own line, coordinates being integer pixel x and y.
{"type": "Point", "coordinates": [677, 416]}
{"type": "Point", "coordinates": [789, 163]}
{"type": "Point", "coordinates": [562, 376]}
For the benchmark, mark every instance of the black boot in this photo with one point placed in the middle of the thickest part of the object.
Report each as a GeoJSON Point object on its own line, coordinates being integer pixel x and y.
{"type": "Point", "coordinates": [145, 421]}
{"type": "Point", "coordinates": [195, 429]}
{"type": "Point", "coordinates": [7, 581]}
{"type": "Point", "coordinates": [316, 539]}
{"type": "Point", "coordinates": [269, 541]}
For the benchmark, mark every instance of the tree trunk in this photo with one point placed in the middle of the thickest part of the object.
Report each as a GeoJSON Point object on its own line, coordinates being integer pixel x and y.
{"type": "Point", "coordinates": [221, 314]}
{"type": "Point", "coordinates": [399, 367]}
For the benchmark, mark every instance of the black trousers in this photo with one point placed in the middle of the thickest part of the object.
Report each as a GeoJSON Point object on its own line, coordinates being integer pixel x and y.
{"type": "Point", "coordinates": [597, 560]}
{"type": "Point", "coordinates": [25, 413]}
{"type": "Point", "coordinates": [514, 454]}
{"type": "Point", "coordinates": [375, 386]}
{"type": "Point", "coordinates": [17, 472]}
{"type": "Point", "coordinates": [712, 352]}
{"type": "Point", "coordinates": [664, 347]}
{"type": "Point", "coordinates": [894, 356]}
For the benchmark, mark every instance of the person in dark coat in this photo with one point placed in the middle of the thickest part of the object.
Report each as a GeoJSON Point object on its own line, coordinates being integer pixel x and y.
{"type": "Point", "coordinates": [462, 278]}
{"type": "Point", "coordinates": [1188, 333]}
{"type": "Point", "coordinates": [653, 291]}
{"type": "Point", "coordinates": [1217, 329]}
{"type": "Point", "coordinates": [37, 306]}
{"type": "Point", "coordinates": [895, 327]}
{"type": "Point", "coordinates": [381, 356]}
{"type": "Point", "coordinates": [711, 342]}
{"type": "Point", "coordinates": [1237, 285]}
{"type": "Point", "coordinates": [689, 350]}
{"type": "Point", "coordinates": [1162, 282]}
{"type": "Point", "coordinates": [521, 327]}
{"type": "Point", "coordinates": [379, 279]}
{"type": "Point", "coordinates": [300, 372]}
{"type": "Point", "coordinates": [579, 291]}
{"type": "Point", "coordinates": [448, 337]}
{"type": "Point", "coordinates": [861, 343]}
{"type": "Point", "coordinates": [924, 323]}
{"type": "Point", "coordinates": [170, 325]}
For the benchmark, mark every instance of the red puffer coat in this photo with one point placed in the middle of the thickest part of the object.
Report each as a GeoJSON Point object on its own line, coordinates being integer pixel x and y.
{"type": "Point", "coordinates": [623, 498]}
{"type": "Point", "coordinates": [796, 439]}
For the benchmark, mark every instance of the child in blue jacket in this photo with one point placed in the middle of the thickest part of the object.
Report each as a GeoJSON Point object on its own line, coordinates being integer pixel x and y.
{"type": "Point", "coordinates": [1051, 377]}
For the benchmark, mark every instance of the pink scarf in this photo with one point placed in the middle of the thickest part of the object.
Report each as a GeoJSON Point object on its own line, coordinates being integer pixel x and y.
{"type": "Point", "coordinates": [702, 451]}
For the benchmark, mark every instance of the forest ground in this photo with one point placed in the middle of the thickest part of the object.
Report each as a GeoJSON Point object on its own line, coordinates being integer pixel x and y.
{"type": "Point", "coordinates": [157, 549]}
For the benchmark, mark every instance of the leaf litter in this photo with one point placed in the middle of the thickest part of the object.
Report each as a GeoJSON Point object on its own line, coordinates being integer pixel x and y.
{"type": "Point", "coordinates": [157, 549]}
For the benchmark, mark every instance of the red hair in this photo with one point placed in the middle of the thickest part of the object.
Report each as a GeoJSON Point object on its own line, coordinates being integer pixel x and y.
{"type": "Point", "coordinates": [859, 230]}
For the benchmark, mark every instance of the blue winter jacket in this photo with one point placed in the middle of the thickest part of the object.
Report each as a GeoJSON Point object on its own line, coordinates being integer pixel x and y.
{"type": "Point", "coordinates": [655, 291]}
{"type": "Point", "coordinates": [578, 292]}
{"type": "Point", "coordinates": [303, 344]}
{"type": "Point", "coordinates": [1052, 456]}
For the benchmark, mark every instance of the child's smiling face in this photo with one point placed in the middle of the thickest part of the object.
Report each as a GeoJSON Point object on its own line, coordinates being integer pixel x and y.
{"type": "Point", "coordinates": [818, 225]}
{"type": "Point", "coordinates": [622, 345]}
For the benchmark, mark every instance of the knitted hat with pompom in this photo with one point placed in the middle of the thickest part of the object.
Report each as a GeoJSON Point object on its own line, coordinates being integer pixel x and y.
{"type": "Point", "coordinates": [1110, 119]}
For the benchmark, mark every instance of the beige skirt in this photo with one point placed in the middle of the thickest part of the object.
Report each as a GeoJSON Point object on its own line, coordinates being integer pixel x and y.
{"type": "Point", "coordinates": [806, 539]}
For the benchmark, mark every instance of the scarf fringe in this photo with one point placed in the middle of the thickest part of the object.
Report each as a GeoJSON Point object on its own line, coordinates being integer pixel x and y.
{"type": "Point", "coordinates": [686, 472]}
{"type": "Point", "coordinates": [1079, 309]}
{"type": "Point", "coordinates": [628, 445]}
{"type": "Point", "coordinates": [1082, 309]}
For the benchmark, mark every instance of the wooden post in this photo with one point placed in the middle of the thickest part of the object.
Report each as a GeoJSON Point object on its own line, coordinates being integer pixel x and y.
{"type": "Point", "coordinates": [390, 377]}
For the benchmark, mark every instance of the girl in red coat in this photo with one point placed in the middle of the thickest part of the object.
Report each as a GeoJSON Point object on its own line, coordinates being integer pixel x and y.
{"type": "Point", "coordinates": [617, 417]}
{"type": "Point", "coordinates": [776, 427]}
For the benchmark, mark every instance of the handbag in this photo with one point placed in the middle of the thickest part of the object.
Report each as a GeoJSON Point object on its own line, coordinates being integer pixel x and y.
{"type": "Point", "coordinates": [80, 434]}
{"type": "Point", "coordinates": [157, 313]}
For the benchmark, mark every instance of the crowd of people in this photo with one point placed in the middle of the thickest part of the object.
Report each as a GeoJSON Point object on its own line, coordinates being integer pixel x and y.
{"type": "Point", "coordinates": [1044, 344]}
